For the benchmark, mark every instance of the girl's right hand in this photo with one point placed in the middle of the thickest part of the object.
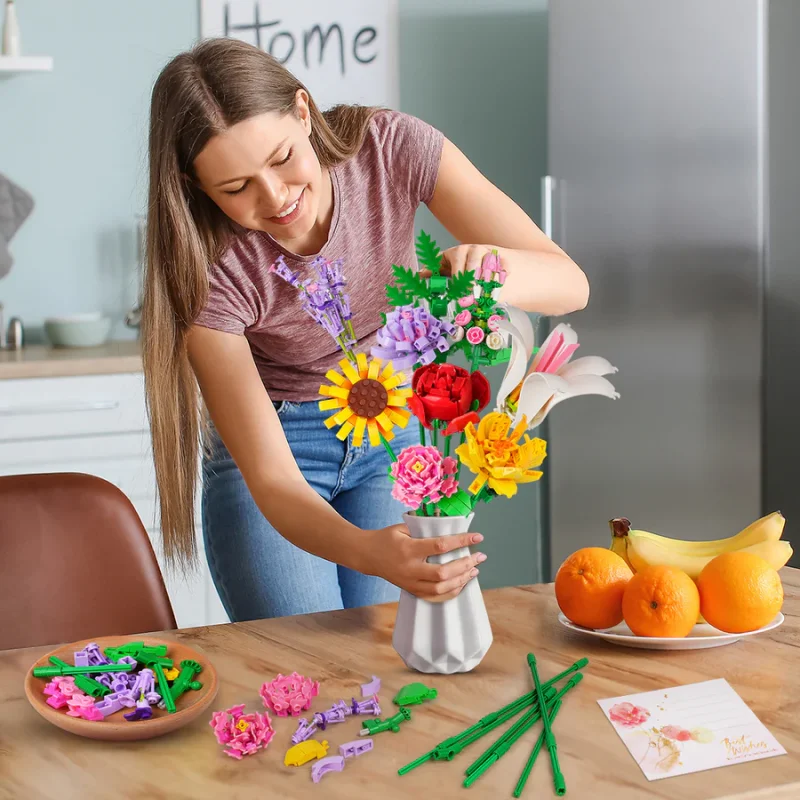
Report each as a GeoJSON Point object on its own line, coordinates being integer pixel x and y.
{"type": "Point", "coordinates": [401, 560]}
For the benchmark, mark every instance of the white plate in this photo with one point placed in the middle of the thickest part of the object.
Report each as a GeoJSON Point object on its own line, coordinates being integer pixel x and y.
{"type": "Point", "coordinates": [701, 637]}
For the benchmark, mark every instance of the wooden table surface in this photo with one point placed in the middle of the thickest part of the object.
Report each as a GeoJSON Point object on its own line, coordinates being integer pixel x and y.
{"type": "Point", "coordinates": [343, 649]}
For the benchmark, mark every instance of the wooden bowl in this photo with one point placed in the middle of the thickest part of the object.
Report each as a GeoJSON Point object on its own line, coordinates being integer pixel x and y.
{"type": "Point", "coordinates": [190, 705]}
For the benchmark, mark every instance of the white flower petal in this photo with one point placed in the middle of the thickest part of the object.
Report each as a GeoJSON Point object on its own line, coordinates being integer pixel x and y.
{"type": "Point", "coordinates": [519, 327]}
{"type": "Point", "coordinates": [537, 391]}
{"type": "Point", "coordinates": [588, 365]}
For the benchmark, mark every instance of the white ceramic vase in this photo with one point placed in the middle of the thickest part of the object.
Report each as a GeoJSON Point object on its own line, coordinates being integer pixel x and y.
{"type": "Point", "coordinates": [448, 637]}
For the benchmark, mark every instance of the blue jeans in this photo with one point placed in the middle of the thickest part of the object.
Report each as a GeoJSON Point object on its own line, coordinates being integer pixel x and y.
{"type": "Point", "coordinates": [257, 572]}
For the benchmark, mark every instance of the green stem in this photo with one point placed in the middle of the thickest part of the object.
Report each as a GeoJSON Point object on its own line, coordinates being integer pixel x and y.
{"type": "Point", "coordinates": [475, 355]}
{"type": "Point", "coordinates": [478, 497]}
{"type": "Point", "coordinates": [435, 434]}
{"type": "Point", "coordinates": [447, 446]}
{"type": "Point", "coordinates": [422, 434]}
{"type": "Point", "coordinates": [388, 448]}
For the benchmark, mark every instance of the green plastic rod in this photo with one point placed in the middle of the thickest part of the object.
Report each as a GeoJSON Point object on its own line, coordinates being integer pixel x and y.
{"type": "Point", "coordinates": [462, 742]}
{"type": "Point", "coordinates": [501, 746]}
{"type": "Point", "coordinates": [549, 739]}
{"type": "Point", "coordinates": [518, 729]}
{"type": "Point", "coordinates": [523, 778]}
{"type": "Point", "coordinates": [68, 669]}
{"type": "Point", "coordinates": [485, 724]}
{"type": "Point", "coordinates": [86, 684]}
{"type": "Point", "coordinates": [447, 749]}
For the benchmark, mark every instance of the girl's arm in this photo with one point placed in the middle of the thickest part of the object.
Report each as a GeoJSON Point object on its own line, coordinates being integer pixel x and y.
{"type": "Point", "coordinates": [541, 277]}
{"type": "Point", "coordinates": [250, 427]}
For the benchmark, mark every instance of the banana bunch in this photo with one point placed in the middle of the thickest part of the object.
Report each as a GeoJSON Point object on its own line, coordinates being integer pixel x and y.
{"type": "Point", "coordinates": [642, 549]}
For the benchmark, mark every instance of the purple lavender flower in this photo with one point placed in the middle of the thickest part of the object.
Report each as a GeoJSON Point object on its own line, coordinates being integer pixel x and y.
{"type": "Point", "coordinates": [281, 268]}
{"type": "Point", "coordinates": [412, 336]}
{"type": "Point", "coordinates": [323, 299]}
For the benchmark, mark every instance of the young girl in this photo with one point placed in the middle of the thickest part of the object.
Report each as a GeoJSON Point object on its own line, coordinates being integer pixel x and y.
{"type": "Point", "coordinates": [244, 168]}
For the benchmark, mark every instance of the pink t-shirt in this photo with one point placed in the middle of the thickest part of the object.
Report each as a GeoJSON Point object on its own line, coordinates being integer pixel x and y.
{"type": "Point", "coordinates": [375, 195]}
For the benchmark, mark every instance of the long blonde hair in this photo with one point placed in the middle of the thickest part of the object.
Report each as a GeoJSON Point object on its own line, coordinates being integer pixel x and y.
{"type": "Point", "coordinates": [198, 95]}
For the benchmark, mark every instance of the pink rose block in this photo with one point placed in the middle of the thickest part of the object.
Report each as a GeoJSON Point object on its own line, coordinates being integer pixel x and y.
{"type": "Point", "coordinates": [466, 301]}
{"type": "Point", "coordinates": [243, 734]}
{"type": "Point", "coordinates": [493, 321]}
{"type": "Point", "coordinates": [475, 335]}
{"type": "Point", "coordinates": [289, 694]}
{"type": "Point", "coordinates": [463, 318]}
{"type": "Point", "coordinates": [628, 715]}
{"type": "Point", "coordinates": [422, 472]}
{"type": "Point", "coordinates": [81, 705]}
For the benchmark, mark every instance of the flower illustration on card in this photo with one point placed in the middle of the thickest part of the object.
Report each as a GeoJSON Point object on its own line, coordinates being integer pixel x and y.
{"type": "Point", "coordinates": [627, 715]}
{"type": "Point", "coordinates": [657, 749]}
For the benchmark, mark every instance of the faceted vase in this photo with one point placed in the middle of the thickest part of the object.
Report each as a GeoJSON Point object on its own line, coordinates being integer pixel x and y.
{"type": "Point", "coordinates": [448, 637]}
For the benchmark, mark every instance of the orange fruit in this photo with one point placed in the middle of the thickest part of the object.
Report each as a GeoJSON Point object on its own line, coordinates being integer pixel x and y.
{"type": "Point", "coordinates": [589, 587]}
{"type": "Point", "coordinates": [739, 592]}
{"type": "Point", "coordinates": [661, 601]}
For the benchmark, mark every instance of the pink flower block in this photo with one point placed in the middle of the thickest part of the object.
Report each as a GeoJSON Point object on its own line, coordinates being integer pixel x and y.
{"type": "Point", "coordinates": [289, 694]}
{"type": "Point", "coordinates": [81, 705]}
{"type": "Point", "coordinates": [493, 321]}
{"type": "Point", "coordinates": [463, 318]}
{"type": "Point", "coordinates": [243, 734]}
{"type": "Point", "coordinates": [628, 715]}
{"type": "Point", "coordinates": [57, 700]}
{"type": "Point", "coordinates": [421, 472]}
{"type": "Point", "coordinates": [60, 690]}
{"type": "Point", "coordinates": [475, 335]}
{"type": "Point", "coordinates": [491, 269]}
{"type": "Point", "coordinates": [466, 301]}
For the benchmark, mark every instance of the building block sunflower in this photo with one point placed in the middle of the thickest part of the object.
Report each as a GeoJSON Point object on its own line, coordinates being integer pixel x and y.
{"type": "Point", "coordinates": [366, 396]}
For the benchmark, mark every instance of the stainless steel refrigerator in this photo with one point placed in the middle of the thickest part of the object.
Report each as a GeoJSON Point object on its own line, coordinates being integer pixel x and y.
{"type": "Point", "coordinates": [674, 180]}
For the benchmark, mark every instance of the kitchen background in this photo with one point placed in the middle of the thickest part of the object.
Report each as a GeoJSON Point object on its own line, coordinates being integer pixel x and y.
{"type": "Point", "coordinates": [696, 459]}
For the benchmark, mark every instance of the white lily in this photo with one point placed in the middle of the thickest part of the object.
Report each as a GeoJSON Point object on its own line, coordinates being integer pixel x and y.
{"type": "Point", "coordinates": [552, 377]}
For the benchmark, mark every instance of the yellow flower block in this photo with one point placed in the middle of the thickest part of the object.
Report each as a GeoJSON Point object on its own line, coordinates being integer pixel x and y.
{"type": "Point", "coordinates": [497, 457]}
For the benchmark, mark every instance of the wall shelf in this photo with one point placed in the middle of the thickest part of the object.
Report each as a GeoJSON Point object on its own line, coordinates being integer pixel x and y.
{"type": "Point", "coordinates": [17, 65]}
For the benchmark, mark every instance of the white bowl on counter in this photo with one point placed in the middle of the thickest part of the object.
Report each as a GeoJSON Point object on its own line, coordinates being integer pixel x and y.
{"type": "Point", "coordinates": [78, 330]}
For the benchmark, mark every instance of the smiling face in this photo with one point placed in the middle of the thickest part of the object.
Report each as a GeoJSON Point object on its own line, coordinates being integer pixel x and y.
{"type": "Point", "coordinates": [263, 173]}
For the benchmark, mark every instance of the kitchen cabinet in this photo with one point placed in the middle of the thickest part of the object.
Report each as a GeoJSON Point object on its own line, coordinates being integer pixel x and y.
{"type": "Point", "coordinates": [97, 424]}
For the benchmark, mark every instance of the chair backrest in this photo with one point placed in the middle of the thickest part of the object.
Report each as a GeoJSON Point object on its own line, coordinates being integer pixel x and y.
{"type": "Point", "coordinates": [75, 563]}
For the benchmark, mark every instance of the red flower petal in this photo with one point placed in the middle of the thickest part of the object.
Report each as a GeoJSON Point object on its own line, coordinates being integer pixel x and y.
{"type": "Point", "coordinates": [441, 408]}
{"type": "Point", "coordinates": [459, 423]}
{"type": "Point", "coordinates": [481, 391]}
{"type": "Point", "coordinates": [417, 408]}
{"type": "Point", "coordinates": [418, 373]}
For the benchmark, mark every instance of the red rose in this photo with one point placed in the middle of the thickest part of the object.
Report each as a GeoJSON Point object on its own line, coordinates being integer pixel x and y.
{"type": "Point", "coordinates": [446, 393]}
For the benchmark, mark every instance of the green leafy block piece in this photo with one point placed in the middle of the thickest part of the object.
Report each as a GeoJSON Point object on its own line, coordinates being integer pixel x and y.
{"type": "Point", "coordinates": [414, 694]}
{"type": "Point", "coordinates": [461, 285]}
{"type": "Point", "coordinates": [372, 726]}
{"type": "Point", "coordinates": [407, 287]}
{"type": "Point", "coordinates": [428, 253]}
{"type": "Point", "coordinates": [457, 505]}
{"type": "Point", "coordinates": [438, 307]}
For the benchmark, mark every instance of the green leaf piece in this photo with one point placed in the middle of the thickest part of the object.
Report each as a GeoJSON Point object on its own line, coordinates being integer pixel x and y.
{"type": "Point", "coordinates": [397, 297]}
{"type": "Point", "coordinates": [428, 253]}
{"type": "Point", "coordinates": [457, 505]}
{"type": "Point", "coordinates": [461, 285]}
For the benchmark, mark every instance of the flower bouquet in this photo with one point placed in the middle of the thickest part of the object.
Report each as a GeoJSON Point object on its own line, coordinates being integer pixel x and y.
{"type": "Point", "coordinates": [411, 374]}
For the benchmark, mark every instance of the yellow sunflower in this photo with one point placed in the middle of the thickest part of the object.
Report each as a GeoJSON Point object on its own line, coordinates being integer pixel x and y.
{"type": "Point", "coordinates": [366, 397]}
{"type": "Point", "coordinates": [496, 456]}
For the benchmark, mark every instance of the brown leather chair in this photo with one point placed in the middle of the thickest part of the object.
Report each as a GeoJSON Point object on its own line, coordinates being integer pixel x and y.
{"type": "Point", "coordinates": [75, 563]}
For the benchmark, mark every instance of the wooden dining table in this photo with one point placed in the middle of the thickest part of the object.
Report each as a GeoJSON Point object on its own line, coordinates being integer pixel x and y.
{"type": "Point", "coordinates": [344, 649]}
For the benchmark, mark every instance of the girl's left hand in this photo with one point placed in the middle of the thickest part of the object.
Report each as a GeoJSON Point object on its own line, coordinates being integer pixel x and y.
{"type": "Point", "coordinates": [462, 258]}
